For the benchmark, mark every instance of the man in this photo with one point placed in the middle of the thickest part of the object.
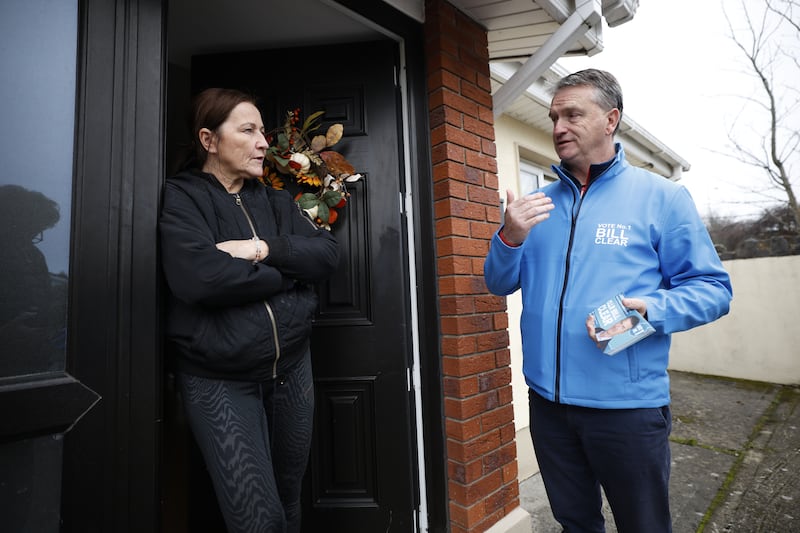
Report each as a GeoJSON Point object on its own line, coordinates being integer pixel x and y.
{"type": "Point", "coordinates": [604, 228]}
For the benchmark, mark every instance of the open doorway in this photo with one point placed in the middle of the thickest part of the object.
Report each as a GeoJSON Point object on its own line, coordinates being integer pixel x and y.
{"type": "Point", "coordinates": [363, 474]}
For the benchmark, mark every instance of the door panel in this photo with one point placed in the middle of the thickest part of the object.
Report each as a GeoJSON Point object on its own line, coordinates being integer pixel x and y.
{"type": "Point", "coordinates": [345, 300]}
{"type": "Point", "coordinates": [361, 470]}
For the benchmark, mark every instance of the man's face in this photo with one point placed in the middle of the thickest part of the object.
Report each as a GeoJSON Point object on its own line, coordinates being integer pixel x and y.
{"type": "Point", "coordinates": [582, 130]}
{"type": "Point", "coordinates": [620, 327]}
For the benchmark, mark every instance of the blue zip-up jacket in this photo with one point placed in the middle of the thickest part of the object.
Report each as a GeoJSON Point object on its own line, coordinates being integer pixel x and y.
{"type": "Point", "coordinates": [632, 232]}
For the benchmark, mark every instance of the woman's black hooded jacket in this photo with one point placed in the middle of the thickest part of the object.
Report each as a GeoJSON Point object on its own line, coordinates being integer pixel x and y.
{"type": "Point", "coordinates": [229, 318]}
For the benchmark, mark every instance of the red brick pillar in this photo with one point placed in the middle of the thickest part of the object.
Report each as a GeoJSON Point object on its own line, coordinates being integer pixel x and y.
{"type": "Point", "coordinates": [481, 451]}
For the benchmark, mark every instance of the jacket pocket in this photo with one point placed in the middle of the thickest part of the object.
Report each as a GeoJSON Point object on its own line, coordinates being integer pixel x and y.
{"type": "Point", "coordinates": [633, 363]}
{"type": "Point", "coordinates": [234, 338]}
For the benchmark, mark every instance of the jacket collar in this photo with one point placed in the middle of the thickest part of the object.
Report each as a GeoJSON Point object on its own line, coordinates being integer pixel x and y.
{"type": "Point", "coordinates": [595, 170]}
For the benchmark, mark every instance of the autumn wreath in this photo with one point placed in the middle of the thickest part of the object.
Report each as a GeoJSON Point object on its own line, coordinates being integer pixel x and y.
{"type": "Point", "coordinates": [299, 154]}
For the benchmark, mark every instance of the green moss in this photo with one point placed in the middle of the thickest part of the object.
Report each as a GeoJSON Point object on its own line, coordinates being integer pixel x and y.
{"type": "Point", "coordinates": [685, 419]}
{"type": "Point", "coordinates": [784, 394]}
{"type": "Point", "coordinates": [687, 442]}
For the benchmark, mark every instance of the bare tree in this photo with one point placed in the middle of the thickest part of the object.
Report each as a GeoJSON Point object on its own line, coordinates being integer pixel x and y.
{"type": "Point", "coordinates": [768, 36]}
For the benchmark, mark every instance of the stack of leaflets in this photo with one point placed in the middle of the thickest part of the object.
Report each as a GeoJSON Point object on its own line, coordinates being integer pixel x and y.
{"type": "Point", "coordinates": [617, 327]}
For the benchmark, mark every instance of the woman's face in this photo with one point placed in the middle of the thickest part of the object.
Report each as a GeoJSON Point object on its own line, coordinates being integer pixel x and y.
{"type": "Point", "coordinates": [237, 148]}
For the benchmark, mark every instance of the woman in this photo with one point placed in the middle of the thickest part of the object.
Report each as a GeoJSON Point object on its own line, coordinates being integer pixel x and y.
{"type": "Point", "coordinates": [240, 260]}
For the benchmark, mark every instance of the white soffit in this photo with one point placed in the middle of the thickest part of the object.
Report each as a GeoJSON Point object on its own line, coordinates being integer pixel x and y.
{"type": "Point", "coordinates": [516, 29]}
{"type": "Point", "coordinates": [538, 32]}
{"type": "Point", "coordinates": [585, 18]}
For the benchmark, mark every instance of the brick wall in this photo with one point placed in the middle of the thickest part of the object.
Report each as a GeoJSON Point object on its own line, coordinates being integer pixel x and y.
{"type": "Point", "coordinates": [481, 452]}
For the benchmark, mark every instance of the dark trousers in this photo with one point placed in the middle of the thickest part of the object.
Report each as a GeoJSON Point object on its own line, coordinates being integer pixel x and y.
{"type": "Point", "coordinates": [255, 439]}
{"type": "Point", "coordinates": [626, 451]}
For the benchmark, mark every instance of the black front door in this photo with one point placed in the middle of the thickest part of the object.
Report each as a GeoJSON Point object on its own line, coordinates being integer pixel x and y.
{"type": "Point", "coordinates": [361, 475]}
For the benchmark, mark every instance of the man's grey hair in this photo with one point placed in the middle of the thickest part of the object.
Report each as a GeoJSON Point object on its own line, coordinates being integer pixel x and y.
{"type": "Point", "coordinates": [607, 94]}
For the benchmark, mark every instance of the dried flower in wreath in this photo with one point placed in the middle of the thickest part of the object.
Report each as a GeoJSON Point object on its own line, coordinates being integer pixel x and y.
{"type": "Point", "coordinates": [297, 154]}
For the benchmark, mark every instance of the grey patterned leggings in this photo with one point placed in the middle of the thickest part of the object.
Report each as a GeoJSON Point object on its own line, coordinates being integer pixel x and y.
{"type": "Point", "coordinates": [255, 439]}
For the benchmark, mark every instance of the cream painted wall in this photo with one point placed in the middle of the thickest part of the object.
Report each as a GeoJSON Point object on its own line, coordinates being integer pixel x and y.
{"type": "Point", "coordinates": [759, 339]}
{"type": "Point", "coordinates": [511, 138]}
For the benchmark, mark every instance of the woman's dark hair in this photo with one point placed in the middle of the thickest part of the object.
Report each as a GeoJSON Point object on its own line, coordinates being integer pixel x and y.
{"type": "Point", "coordinates": [210, 109]}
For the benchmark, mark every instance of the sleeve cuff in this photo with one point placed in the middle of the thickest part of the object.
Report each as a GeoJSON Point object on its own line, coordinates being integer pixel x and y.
{"type": "Point", "coordinates": [506, 241]}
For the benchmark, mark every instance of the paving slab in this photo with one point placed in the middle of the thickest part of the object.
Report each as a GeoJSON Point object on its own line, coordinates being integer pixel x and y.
{"type": "Point", "coordinates": [764, 493]}
{"type": "Point", "coordinates": [717, 412]}
{"type": "Point", "coordinates": [697, 475]}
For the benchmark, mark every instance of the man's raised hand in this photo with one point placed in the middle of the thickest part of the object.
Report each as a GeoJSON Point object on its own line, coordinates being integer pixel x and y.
{"type": "Point", "coordinates": [524, 213]}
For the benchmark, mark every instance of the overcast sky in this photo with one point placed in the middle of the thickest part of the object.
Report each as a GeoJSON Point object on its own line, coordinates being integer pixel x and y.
{"type": "Point", "coordinates": [683, 80]}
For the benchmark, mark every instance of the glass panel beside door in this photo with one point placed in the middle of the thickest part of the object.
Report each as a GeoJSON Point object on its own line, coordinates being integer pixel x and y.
{"type": "Point", "coordinates": [37, 103]}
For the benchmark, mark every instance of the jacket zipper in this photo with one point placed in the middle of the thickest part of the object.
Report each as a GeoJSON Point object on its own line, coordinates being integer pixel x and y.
{"type": "Point", "coordinates": [268, 307]}
{"type": "Point", "coordinates": [557, 397]}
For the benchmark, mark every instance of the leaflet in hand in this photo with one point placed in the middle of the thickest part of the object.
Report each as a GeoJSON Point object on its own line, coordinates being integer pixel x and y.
{"type": "Point", "coordinates": [617, 327]}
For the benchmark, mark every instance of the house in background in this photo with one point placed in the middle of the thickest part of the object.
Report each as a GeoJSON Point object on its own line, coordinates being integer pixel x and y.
{"type": "Point", "coordinates": [415, 422]}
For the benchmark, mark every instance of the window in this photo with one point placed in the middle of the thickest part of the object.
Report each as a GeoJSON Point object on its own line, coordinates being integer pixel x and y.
{"type": "Point", "coordinates": [532, 177]}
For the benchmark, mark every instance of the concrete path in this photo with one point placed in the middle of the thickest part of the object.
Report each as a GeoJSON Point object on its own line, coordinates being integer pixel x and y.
{"type": "Point", "coordinates": [735, 459]}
